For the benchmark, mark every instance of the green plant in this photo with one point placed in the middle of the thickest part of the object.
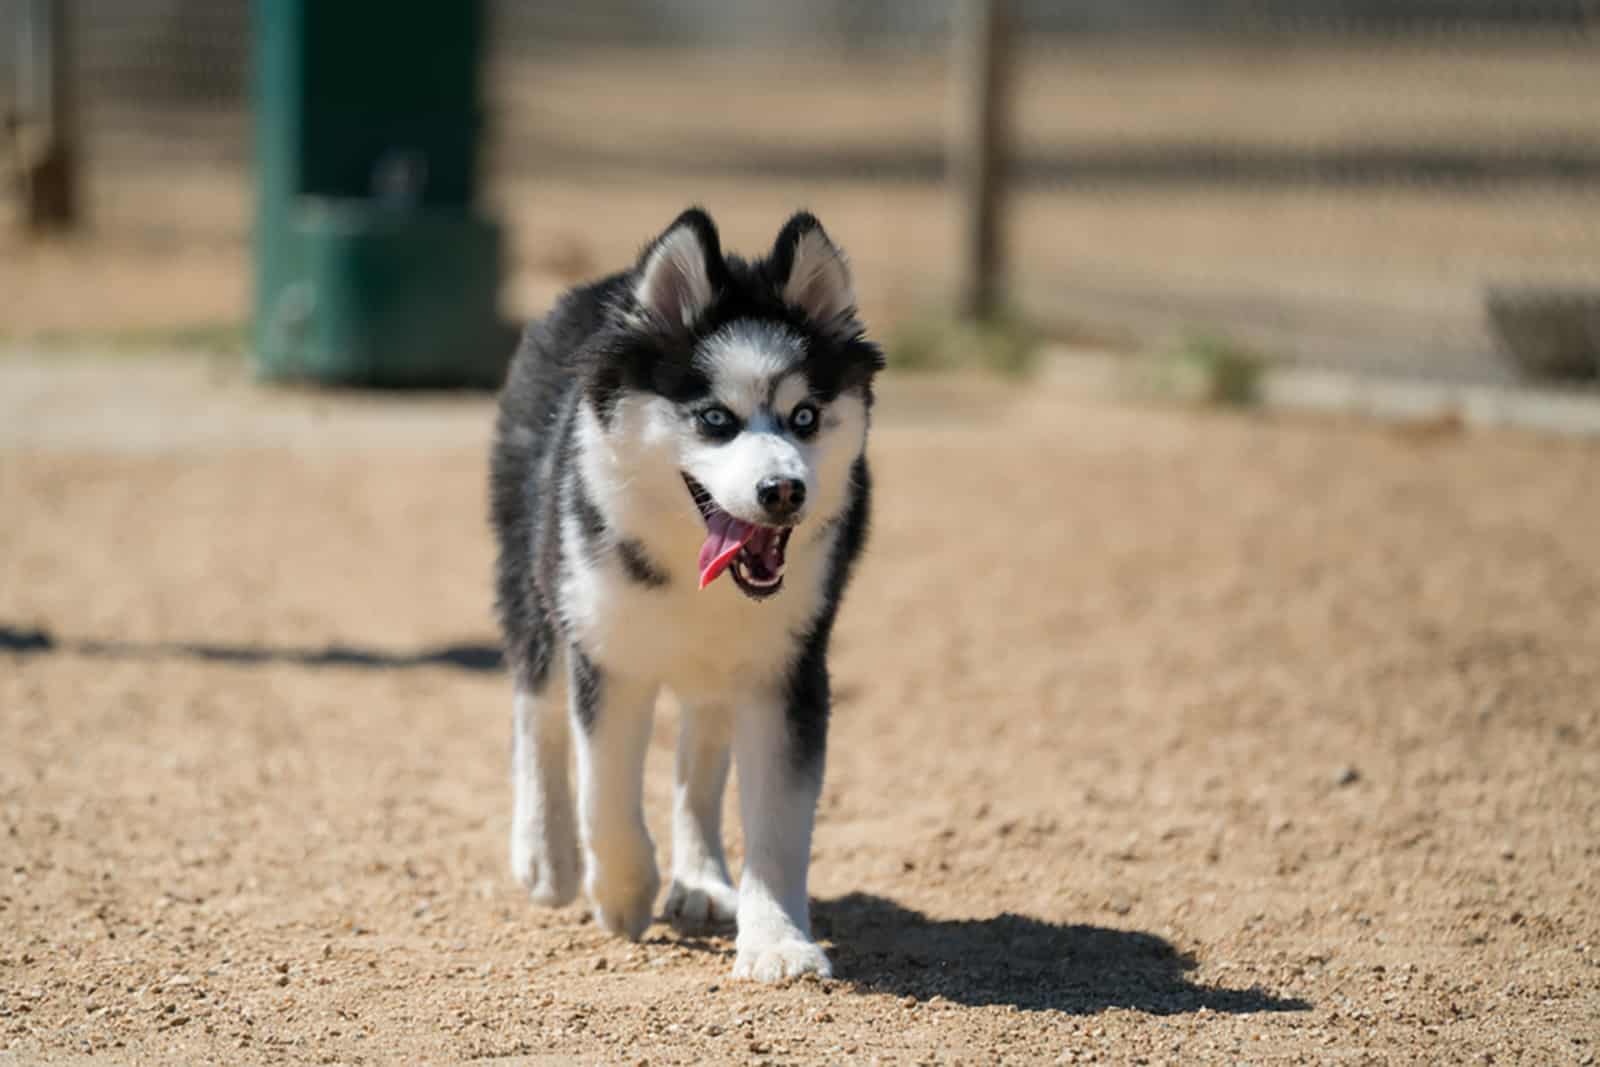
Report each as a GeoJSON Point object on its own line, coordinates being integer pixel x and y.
{"type": "Point", "coordinates": [204, 338]}
{"type": "Point", "coordinates": [1006, 344]}
{"type": "Point", "coordinates": [1219, 370]}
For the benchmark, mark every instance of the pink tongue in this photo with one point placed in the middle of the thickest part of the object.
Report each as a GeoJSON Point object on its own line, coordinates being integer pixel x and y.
{"type": "Point", "coordinates": [725, 535]}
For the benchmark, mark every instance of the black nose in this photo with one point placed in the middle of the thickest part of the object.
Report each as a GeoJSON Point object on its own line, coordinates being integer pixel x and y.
{"type": "Point", "coordinates": [781, 497]}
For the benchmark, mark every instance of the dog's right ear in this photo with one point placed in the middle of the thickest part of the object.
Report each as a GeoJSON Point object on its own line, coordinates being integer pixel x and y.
{"type": "Point", "coordinates": [679, 274]}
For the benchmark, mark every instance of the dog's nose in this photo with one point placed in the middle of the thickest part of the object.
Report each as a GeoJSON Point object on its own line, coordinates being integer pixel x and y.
{"type": "Point", "coordinates": [781, 497]}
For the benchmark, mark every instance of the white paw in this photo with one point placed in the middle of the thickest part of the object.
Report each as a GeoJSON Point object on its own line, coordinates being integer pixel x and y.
{"type": "Point", "coordinates": [784, 959]}
{"type": "Point", "coordinates": [694, 905]}
{"type": "Point", "coordinates": [624, 894]}
{"type": "Point", "coordinates": [548, 870]}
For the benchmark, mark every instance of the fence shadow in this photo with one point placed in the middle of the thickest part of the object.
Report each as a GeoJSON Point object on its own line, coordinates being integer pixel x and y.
{"type": "Point", "coordinates": [469, 656]}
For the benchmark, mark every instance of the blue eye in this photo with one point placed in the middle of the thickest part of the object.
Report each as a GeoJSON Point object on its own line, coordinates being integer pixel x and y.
{"type": "Point", "coordinates": [718, 422]}
{"type": "Point", "coordinates": [803, 418]}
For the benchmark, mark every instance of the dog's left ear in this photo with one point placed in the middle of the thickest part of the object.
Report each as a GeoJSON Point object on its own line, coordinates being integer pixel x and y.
{"type": "Point", "coordinates": [813, 275]}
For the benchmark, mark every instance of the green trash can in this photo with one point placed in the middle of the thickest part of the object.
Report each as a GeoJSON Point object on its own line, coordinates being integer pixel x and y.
{"type": "Point", "coordinates": [373, 266]}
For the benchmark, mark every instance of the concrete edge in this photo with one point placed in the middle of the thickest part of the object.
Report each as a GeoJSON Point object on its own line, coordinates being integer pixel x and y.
{"type": "Point", "coordinates": [1570, 411]}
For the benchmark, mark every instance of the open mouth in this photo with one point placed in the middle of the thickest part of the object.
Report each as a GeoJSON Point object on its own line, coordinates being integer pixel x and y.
{"type": "Point", "coordinates": [752, 553]}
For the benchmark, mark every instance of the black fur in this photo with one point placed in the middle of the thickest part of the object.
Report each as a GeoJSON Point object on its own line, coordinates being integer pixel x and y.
{"type": "Point", "coordinates": [589, 517]}
{"type": "Point", "coordinates": [661, 360]}
{"type": "Point", "coordinates": [591, 348]}
{"type": "Point", "coordinates": [586, 682]}
{"type": "Point", "coordinates": [535, 418]}
{"type": "Point", "coordinates": [809, 698]}
{"type": "Point", "coordinates": [639, 566]}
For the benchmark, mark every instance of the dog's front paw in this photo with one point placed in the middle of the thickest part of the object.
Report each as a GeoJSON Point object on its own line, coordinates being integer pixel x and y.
{"type": "Point", "coordinates": [783, 959]}
{"type": "Point", "coordinates": [624, 894]}
{"type": "Point", "coordinates": [694, 905]}
{"type": "Point", "coordinates": [547, 869]}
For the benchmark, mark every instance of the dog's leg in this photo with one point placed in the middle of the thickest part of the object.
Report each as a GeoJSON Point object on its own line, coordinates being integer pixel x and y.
{"type": "Point", "coordinates": [701, 893]}
{"type": "Point", "coordinates": [544, 841]}
{"type": "Point", "coordinates": [779, 749]}
{"type": "Point", "coordinates": [611, 715]}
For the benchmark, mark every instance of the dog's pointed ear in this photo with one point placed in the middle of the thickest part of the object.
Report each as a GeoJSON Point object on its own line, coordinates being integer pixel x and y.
{"type": "Point", "coordinates": [813, 275]}
{"type": "Point", "coordinates": [678, 275]}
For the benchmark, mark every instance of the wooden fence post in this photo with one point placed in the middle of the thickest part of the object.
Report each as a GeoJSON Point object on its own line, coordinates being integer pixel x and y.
{"type": "Point", "coordinates": [47, 128]}
{"type": "Point", "coordinates": [979, 134]}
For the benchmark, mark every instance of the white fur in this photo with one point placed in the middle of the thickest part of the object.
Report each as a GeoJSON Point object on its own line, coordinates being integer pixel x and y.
{"type": "Point", "coordinates": [754, 373]}
{"type": "Point", "coordinates": [708, 644]}
{"type": "Point", "coordinates": [702, 893]}
{"type": "Point", "coordinates": [777, 807]}
{"type": "Point", "coordinates": [732, 470]}
{"type": "Point", "coordinates": [723, 655]}
{"type": "Point", "coordinates": [544, 843]}
{"type": "Point", "coordinates": [745, 359]}
{"type": "Point", "coordinates": [620, 859]}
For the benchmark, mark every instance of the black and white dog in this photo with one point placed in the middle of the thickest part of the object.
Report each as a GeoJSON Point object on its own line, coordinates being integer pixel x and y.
{"type": "Point", "coordinates": [694, 416]}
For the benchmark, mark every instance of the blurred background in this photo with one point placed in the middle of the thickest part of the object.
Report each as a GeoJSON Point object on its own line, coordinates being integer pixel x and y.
{"type": "Point", "coordinates": [1329, 183]}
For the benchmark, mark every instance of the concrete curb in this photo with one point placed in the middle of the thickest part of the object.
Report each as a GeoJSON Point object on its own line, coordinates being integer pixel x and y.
{"type": "Point", "coordinates": [1572, 411]}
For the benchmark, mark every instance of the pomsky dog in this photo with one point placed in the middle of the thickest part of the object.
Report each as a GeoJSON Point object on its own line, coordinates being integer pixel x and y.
{"type": "Point", "coordinates": [699, 417]}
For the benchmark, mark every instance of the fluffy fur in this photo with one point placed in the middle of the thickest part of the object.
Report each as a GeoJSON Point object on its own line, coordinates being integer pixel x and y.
{"type": "Point", "coordinates": [644, 409]}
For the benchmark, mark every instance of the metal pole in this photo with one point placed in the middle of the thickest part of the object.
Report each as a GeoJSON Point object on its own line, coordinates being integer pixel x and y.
{"type": "Point", "coordinates": [978, 147]}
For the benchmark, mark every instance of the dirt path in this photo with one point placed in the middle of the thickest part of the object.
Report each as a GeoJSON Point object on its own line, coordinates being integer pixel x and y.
{"type": "Point", "coordinates": [1163, 737]}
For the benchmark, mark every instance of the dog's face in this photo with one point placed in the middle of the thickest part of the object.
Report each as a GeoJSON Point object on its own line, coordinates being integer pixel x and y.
{"type": "Point", "coordinates": [748, 384]}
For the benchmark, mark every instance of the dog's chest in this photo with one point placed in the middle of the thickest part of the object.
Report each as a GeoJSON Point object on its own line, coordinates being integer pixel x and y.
{"type": "Point", "coordinates": [698, 642]}
{"type": "Point", "coordinates": [703, 643]}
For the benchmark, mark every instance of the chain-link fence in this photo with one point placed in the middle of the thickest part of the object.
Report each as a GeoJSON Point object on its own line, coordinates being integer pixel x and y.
{"type": "Point", "coordinates": [1332, 181]}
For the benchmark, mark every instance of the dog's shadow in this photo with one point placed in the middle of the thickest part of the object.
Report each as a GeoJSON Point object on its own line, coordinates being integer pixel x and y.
{"type": "Point", "coordinates": [879, 946]}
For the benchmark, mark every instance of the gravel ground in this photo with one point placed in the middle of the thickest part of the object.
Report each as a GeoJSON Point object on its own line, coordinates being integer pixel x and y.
{"type": "Point", "coordinates": [1164, 736]}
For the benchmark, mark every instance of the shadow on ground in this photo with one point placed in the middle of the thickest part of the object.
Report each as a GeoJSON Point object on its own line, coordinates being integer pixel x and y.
{"type": "Point", "coordinates": [470, 657]}
{"type": "Point", "coordinates": [882, 947]}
